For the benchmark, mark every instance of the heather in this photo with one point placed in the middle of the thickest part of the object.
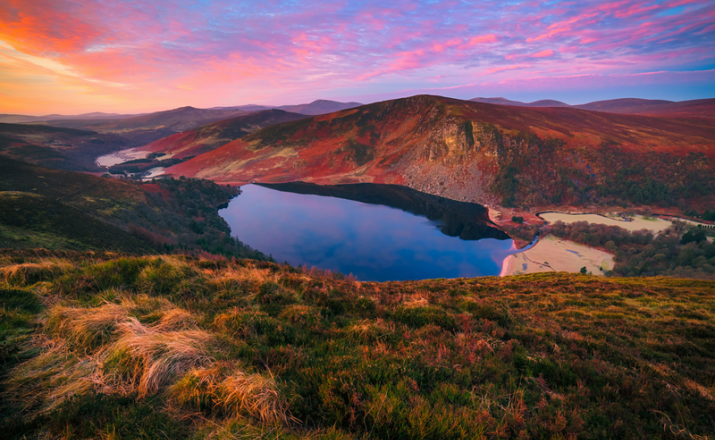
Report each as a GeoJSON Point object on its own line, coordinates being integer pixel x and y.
{"type": "Point", "coordinates": [189, 348]}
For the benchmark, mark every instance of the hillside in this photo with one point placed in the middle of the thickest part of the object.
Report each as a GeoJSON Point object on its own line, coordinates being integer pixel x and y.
{"type": "Point", "coordinates": [210, 136]}
{"type": "Point", "coordinates": [58, 210]}
{"type": "Point", "coordinates": [57, 147]}
{"type": "Point", "coordinates": [490, 154]}
{"type": "Point", "coordinates": [98, 346]}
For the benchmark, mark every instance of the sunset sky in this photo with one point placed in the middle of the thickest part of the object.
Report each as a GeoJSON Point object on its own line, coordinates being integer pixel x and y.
{"type": "Point", "coordinates": [67, 56]}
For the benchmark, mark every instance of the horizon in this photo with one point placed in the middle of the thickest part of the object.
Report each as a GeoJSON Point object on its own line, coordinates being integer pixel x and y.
{"type": "Point", "coordinates": [274, 106]}
{"type": "Point", "coordinates": [68, 57]}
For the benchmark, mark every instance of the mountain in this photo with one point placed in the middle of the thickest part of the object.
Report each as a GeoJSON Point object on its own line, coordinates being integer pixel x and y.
{"type": "Point", "coordinates": [700, 108]}
{"type": "Point", "coordinates": [319, 107]}
{"type": "Point", "coordinates": [208, 137]}
{"type": "Point", "coordinates": [246, 108]}
{"type": "Point", "coordinates": [491, 154]}
{"type": "Point", "coordinates": [504, 101]}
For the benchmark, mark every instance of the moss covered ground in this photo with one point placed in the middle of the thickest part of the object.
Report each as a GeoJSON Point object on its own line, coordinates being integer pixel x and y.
{"type": "Point", "coordinates": [99, 345]}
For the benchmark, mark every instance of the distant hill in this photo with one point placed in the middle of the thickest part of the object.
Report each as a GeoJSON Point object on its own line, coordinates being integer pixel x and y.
{"type": "Point", "coordinates": [492, 154]}
{"type": "Point", "coordinates": [140, 130]}
{"type": "Point", "coordinates": [18, 119]}
{"type": "Point", "coordinates": [57, 147]}
{"type": "Point", "coordinates": [319, 107]}
{"type": "Point", "coordinates": [210, 136]}
{"type": "Point", "coordinates": [700, 108]}
{"type": "Point", "coordinates": [504, 101]}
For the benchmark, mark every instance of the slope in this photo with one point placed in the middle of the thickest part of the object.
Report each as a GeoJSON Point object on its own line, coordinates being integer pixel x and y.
{"type": "Point", "coordinates": [67, 210]}
{"type": "Point", "coordinates": [56, 147]}
{"type": "Point", "coordinates": [208, 137]}
{"type": "Point", "coordinates": [97, 346]}
{"type": "Point", "coordinates": [490, 154]}
{"type": "Point", "coordinates": [142, 129]}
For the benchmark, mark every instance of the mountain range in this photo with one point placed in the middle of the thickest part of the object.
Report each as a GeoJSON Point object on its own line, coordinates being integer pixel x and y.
{"type": "Point", "coordinates": [465, 150]}
{"type": "Point", "coordinates": [702, 108]}
{"type": "Point", "coordinates": [487, 150]}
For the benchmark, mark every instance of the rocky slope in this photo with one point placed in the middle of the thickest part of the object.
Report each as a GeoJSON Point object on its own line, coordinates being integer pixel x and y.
{"type": "Point", "coordinates": [491, 154]}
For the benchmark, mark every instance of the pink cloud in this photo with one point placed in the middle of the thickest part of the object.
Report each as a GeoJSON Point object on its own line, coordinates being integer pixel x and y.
{"type": "Point", "coordinates": [543, 54]}
{"type": "Point", "coordinates": [163, 54]}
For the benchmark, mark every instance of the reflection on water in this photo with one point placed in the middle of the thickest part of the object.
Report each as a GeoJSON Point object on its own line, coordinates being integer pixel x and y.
{"type": "Point", "coordinates": [373, 242]}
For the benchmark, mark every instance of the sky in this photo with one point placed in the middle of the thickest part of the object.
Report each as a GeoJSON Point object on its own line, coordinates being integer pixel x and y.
{"type": "Point", "coordinates": [77, 56]}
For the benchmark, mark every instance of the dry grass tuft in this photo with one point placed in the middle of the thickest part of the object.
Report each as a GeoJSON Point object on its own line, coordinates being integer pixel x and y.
{"type": "Point", "coordinates": [156, 356]}
{"type": "Point", "coordinates": [86, 328]}
{"type": "Point", "coordinates": [106, 349]}
{"type": "Point", "coordinates": [44, 382]}
{"type": "Point", "coordinates": [233, 395]}
{"type": "Point", "coordinates": [30, 273]}
{"type": "Point", "coordinates": [174, 320]}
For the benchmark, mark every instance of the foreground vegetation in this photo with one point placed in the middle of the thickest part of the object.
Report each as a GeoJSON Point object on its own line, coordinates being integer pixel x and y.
{"type": "Point", "coordinates": [103, 345]}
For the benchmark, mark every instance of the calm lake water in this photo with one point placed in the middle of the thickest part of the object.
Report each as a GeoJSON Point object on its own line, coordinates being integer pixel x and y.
{"type": "Point", "coordinates": [372, 241]}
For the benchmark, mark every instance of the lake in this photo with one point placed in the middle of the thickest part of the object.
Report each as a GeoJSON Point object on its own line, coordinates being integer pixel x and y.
{"type": "Point", "coordinates": [375, 232]}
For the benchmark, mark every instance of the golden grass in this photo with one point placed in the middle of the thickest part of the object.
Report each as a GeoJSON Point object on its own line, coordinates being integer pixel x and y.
{"type": "Point", "coordinates": [233, 394]}
{"type": "Point", "coordinates": [46, 381]}
{"type": "Point", "coordinates": [157, 356]}
{"type": "Point", "coordinates": [106, 349]}
{"type": "Point", "coordinates": [86, 328]}
{"type": "Point", "coordinates": [30, 273]}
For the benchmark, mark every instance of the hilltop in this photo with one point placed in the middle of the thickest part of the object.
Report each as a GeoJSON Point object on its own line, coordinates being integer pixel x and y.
{"type": "Point", "coordinates": [99, 345]}
{"type": "Point", "coordinates": [504, 101]}
{"type": "Point", "coordinates": [485, 153]}
{"type": "Point", "coordinates": [319, 107]}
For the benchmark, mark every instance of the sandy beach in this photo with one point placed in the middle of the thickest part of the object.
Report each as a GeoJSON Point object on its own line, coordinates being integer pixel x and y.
{"type": "Point", "coordinates": [555, 255]}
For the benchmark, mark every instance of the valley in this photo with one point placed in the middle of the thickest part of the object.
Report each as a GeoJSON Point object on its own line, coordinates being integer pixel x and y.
{"type": "Point", "coordinates": [331, 220]}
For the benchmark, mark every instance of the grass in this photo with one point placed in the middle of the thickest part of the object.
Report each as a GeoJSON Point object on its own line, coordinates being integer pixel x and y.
{"type": "Point", "coordinates": [110, 346]}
